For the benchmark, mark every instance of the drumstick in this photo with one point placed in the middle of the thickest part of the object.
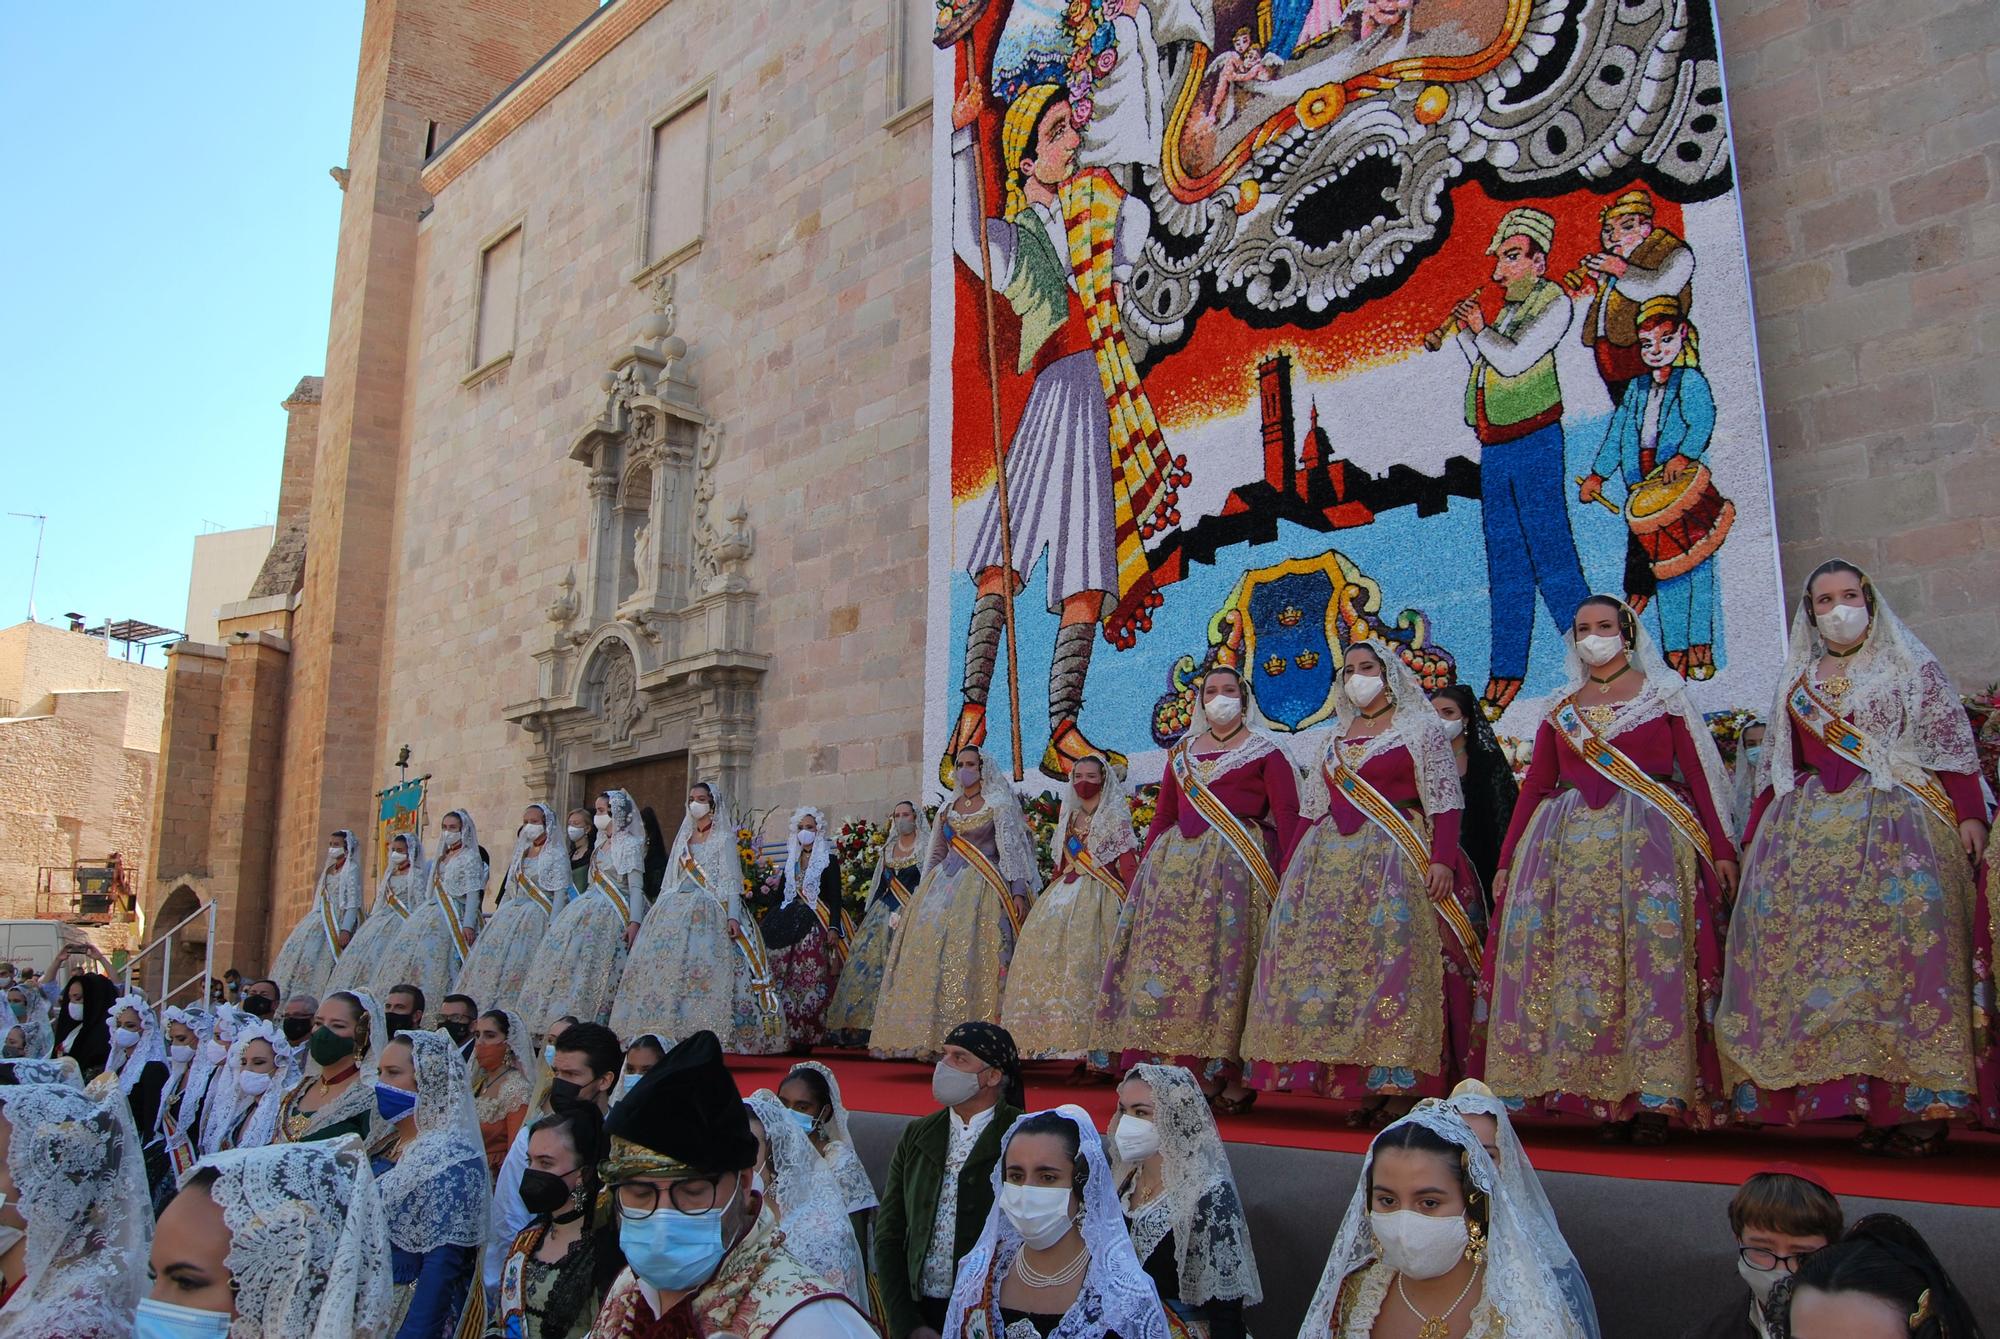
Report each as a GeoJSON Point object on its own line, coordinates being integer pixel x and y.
{"type": "Point", "coordinates": [1600, 499]}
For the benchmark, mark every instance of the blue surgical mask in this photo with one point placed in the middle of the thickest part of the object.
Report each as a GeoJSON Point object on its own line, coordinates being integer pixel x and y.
{"type": "Point", "coordinates": [805, 1120]}
{"type": "Point", "coordinates": [164, 1320]}
{"type": "Point", "coordinates": [628, 1082]}
{"type": "Point", "coordinates": [549, 1055]}
{"type": "Point", "coordinates": [673, 1251]}
{"type": "Point", "coordinates": [393, 1103]}
{"type": "Point", "coordinates": [20, 1009]}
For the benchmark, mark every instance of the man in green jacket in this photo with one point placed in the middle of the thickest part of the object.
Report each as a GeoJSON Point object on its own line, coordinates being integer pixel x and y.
{"type": "Point", "coordinates": [940, 1186]}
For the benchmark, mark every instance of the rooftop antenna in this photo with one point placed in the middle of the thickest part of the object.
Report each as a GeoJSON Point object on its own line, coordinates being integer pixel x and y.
{"type": "Point", "coordinates": [41, 524]}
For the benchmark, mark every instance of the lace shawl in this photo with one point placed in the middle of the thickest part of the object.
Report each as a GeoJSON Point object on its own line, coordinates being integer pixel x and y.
{"type": "Point", "coordinates": [1413, 726]}
{"type": "Point", "coordinates": [549, 870]}
{"type": "Point", "coordinates": [1010, 829]}
{"type": "Point", "coordinates": [840, 1156]}
{"type": "Point", "coordinates": [1212, 1250]}
{"type": "Point", "coordinates": [308, 1242]}
{"type": "Point", "coordinates": [436, 1194]}
{"type": "Point", "coordinates": [463, 878]}
{"type": "Point", "coordinates": [1517, 1174]}
{"type": "Point", "coordinates": [717, 857]}
{"type": "Point", "coordinates": [920, 844]}
{"type": "Point", "coordinates": [228, 1103]}
{"type": "Point", "coordinates": [408, 883]}
{"type": "Point", "coordinates": [151, 1045]}
{"type": "Point", "coordinates": [81, 1182]}
{"type": "Point", "coordinates": [1110, 834]}
{"type": "Point", "coordinates": [805, 882]}
{"type": "Point", "coordinates": [38, 1033]}
{"type": "Point", "coordinates": [1516, 1283]}
{"type": "Point", "coordinates": [1665, 694]}
{"type": "Point", "coordinates": [342, 888]}
{"type": "Point", "coordinates": [1897, 696]}
{"type": "Point", "coordinates": [62, 1072]}
{"type": "Point", "coordinates": [196, 1020]}
{"type": "Point", "coordinates": [358, 1097]}
{"type": "Point", "coordinates": [1117, 1296]}
{"type": "Point", "coordinates": [810, 1207]}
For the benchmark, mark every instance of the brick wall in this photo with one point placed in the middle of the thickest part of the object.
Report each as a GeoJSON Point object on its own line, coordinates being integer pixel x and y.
{"type": "Point", "coordinates": [301, 440]}
{"type": "Point", "coordinates": [1868, 139]}
{"type": "Point", "coordinates": [186, 797]}
{"type": "Point", "coordinates": [37, 660]}
{"type": "Point", "coordinates": [244, 821]}
{"type": "Point", "coordinates": [70, 790]}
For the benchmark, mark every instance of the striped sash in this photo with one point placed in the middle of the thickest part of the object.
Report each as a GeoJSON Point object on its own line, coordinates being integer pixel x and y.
{"type": "Point", "coordinates": [395, 900]}
{"type": "Point", "coordinates": [1242, 839]}
{"type": "Point", "coordinates": [751, 946]}
{"type": "Point", "coordinates": [1607, 761]}
{"type": "Point", "coordinates": [1816, 716]}
{"type": "Point", "coordinates": [976, 858]}
{"type": "Point", "coordinates": [179, 1150]}
{"type": "Point", "coordinates": [607, 885]}
{"type": "Point", "coordinates": [834, 937]}
{"type": "Point", "coordinates": [1082, 859]}
{"type": "Point", "coordinates": [459, 946]}
{"type": "Point", "coordinates": [527, 886]}
{"type": "Point", "coordinates": [327, 924]}
{"type": "Point", "coordinates": [1416, 848]}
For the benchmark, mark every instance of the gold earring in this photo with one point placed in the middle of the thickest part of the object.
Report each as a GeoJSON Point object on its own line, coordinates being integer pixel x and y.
{"type": "Point", "coordinates": [1475, 1244]}
{"type": "Point", "coordinates": [1923, 1311]}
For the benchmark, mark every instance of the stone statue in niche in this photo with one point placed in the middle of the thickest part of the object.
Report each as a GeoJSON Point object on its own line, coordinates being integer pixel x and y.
{"type": "Point", "coordinates": [642, 553]}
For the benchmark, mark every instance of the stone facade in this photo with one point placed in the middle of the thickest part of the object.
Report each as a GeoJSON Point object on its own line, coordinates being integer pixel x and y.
{"type": "Point", "coordinates": [79, 751]}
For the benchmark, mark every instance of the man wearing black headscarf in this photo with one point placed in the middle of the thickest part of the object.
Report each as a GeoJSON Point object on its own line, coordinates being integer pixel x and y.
{"type": "Point", "coordinates": [699, 1261]}
{"type": "Point", "coordinates": [940, 1186]}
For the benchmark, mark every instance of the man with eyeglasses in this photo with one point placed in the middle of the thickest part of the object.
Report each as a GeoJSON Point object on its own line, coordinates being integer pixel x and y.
{"type": "Point", "coordinates": [699, 1261]}
{"type": "Point", "coordinates": [1780, 1216]}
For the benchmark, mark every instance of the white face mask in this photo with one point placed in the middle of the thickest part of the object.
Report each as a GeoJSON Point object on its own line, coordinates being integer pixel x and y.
{"type": "Point", "coordinates": [1363, 689]}
{"type": "Point", "coordinates": [603, 822]}
{"type": "Point", "coordinates": [532, 832]}
{"type": "Point", "coordinates": [1761, 1281]}
{"type": "Point", "coordinates": [335, 852]}
{"type": "Point", "coordinates": [950, 1086]}
{"type": "Point", "coordinates": [398, 859]}
{"type": "Point", "coordinates": [1041, 1214]}
{"type": "Point", "coordinates": [807, 837]}
{"type": "Point", "coordinates": [452, 836]}
{"type": "Point", "coordinates": [1844, 623]}
{"type": "Point", "coordinates": [1453, 726]}
{"type": "Point", "coordinates": [1598, 649]}
{"type": "Point", "coordinates": [575, 832]}
{"type": "Point", "coordinates": [214, 1052]}
{"type": "Point", "coordinates": [904, 826]}
{"type": "Point", "coordinates": [1419, 1245]}
{"type": "Point", "coordinates": [180, 1054]}
{"type": "Point", "coordinates": [699, 808]}
{"type": "Point", "coordinates": [255, 1082]}
{"type": "Point", "coordinates": [1136, 1139]}
{"type": "Point", "coordinates": [1223, 710]}
{"type": "Point", "coordinates": [124, 1036]}
{"type": "Point", "coordinates": [76, 1011]}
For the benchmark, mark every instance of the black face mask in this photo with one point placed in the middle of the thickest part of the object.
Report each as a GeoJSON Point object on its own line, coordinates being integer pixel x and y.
{"type": "Point", "coordinates": [298, 1029]}
{"type": "Point", "coordinates": [398, 1022]}
{"type": "Point", "coordinates": [258, 1006]}
{"type": "Point", "coordinates": [457, 1030]}
{"type": "Point", "coordinates": [543, 1192]}
{"type": "Point", "coordinates": [564, 1096]}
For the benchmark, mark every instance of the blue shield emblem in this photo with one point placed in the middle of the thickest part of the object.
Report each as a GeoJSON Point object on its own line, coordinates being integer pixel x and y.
{"type": "Point", "coordinates": [1290, 616]}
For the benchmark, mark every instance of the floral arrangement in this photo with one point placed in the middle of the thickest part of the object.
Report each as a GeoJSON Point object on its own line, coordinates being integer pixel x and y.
{"type": "Point", "coordinates": [1519, 752]}
{"type": "Point", "coordinates": [1727, 728]}
{"type": "Point", "coordinates": [746, 855]}
{"type": "Point", "coordinates": [857, 846]}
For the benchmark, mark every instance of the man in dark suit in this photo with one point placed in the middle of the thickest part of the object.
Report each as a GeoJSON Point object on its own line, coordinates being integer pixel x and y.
{"type": "Point", "coordinates": [940, 1186]}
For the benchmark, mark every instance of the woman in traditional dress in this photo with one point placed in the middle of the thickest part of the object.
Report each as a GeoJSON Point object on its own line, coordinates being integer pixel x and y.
{"type": "Point", "coordinates": [402, 883]}
{"type": "Point", "coordinates": [211, 1054]}
{"type": "Point", "coordinates": [1184, 959]}
{"type": "Point", "coordinates": [951, 951]}
{"type": "Point", "coordinates": [1606, 959]}
{"type": "Point", "coordinates": [139, 1057]}
{"type": "Point", "coordinates": [315, 944]}
{"type": "Point", "coordinates": [1180, 1201]}
{"type": "Point", "coordinates": [1433, 1236]}
{"type": "Point", "coordinates": [31, 1013]}
{"type": "Point", "coordinates": [533, 891]}
{"type": "Point", "coordinates": [244, 1099]}
{"type": "Point", "coordinates": [1749, 766]}
{"type": "Point", "coordinates": [431, 1167]}
{"type": "Point", "coordinates": [186, 1028]}
{"type": "Point", "coordinates": [431, 946]}
{"type": "Point", "coordinates": [803, 931]}
{"type": "Point", "coordinates": [898, 867]}
{"type": "Point", "coordinates": [577, 969]}
{"type": "Point", "coordinates": [83, 1028]}
{"type": "Point", "coordinates": [1487, 1116]}
{"type": "Point", "coordinates": [812, 1094]}
{"type": "Point", "coordinates": [283, 1242]}
{"type": "Point", "coordinates": [582, 835]}
{"type": "Point", "coordinates": [699, 963]}
{"type": "Point", "coordinates": [1486, 778]}
{"type": "Point", "coordinates": [1370, 961]}
{"type": "Point", "coordinates": [801, 1193]}
{"type": "Point", "coordinates": [76, 1176]}
{"type": "Point", "coordinates": [337, 1095]}
{"type": "Point", "coordinates": [1055, 1258]}
{"type": "Point", "coordinates": [560, 1267]}
{"type": "Point", "coordinates": [504, 1074]}
{"type": "Point", "coordinates": [1058, 969]}
{"type": "Point", "coordinates": [1853, 956]}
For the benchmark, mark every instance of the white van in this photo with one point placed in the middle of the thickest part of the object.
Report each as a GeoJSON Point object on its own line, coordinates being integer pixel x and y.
{"type": "Point", "coordinates": [42, 944]}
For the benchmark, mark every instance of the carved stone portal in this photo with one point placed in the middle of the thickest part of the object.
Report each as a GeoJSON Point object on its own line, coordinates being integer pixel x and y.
{"type": "Point", "coordinates": [650, 652]}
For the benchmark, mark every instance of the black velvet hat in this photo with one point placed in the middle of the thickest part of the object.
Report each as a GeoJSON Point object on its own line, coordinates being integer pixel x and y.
{"type": "Point", "coordinates": [684, 1118]}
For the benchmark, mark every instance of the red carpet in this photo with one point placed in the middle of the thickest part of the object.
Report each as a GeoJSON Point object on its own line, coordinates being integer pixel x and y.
{"type": "Point", "coordinates": [1968, 1174]}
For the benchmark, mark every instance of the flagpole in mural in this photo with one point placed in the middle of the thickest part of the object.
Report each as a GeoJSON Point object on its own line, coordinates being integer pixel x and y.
{"type": "Point", "coordinates": [958, 33]}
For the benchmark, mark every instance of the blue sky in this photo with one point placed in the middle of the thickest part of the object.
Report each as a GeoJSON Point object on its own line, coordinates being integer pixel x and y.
{"type": "Point", "coordinates": [169, 241]}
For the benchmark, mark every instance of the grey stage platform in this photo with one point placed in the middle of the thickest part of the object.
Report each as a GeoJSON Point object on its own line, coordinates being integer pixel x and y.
{"type": "Point", "coordinates": [1657, 1252]}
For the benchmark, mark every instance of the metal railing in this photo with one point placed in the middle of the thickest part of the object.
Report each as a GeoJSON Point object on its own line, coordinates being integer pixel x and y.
{"type": "Point", "coordinates": [165, 946]}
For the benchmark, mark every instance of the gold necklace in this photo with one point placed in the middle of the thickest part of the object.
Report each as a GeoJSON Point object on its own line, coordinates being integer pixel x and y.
{"type": "Point", "coordinates": [1435, 1327]}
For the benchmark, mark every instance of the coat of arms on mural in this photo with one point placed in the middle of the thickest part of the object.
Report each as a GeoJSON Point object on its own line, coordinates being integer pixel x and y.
{"type": "Point", "coordinates": [1232, 281]}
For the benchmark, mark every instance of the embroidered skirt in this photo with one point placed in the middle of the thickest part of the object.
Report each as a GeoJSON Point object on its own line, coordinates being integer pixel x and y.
{"type": "Point", "coordinates": [306, 960]}
{"type": "Point", "coordinates": [577, 966]}
{"type": "Point", "coordinates": [852, 1011]}
{"type": "Point", "coordinates": [496, 971]}
{"type": "Point", "coordinates": [947, 964]}
{"type": "Point", "coordinates": [1058, 971]}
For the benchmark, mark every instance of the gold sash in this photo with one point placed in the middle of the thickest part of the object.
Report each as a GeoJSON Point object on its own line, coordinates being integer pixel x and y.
{"type": "Point", "coordinates": [607, 885]}
{"type": "Point", "coordinates": [1242, 839]}
{"type": "Point", "coordinates": [450, 914]}
{"type": "Point", "coordinates": [1416, 848]}
{"type": "Point", "coordinates": [179, 1150]}
{"type": "Point", "coordinates": [395, 902]}
{"type": "Point", "coordinates": [1086, 862]}
{"type": "Point", "coordinates": [1816, 716]}
{"type": "Point", "coordinates": [327, 923]}
{"type": "Point", "coordinates": [1605, 760]}
{"type": "Point", "coordinates": [524, 884]}
{"type": "Point", "coordinates": [977, 859]}
{"type": "Point", "coordinates": [833, 936]}
{"type": "Point", "coordinates": [751, 946]}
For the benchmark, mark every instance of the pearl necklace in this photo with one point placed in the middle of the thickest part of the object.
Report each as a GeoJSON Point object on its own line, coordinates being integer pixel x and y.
{"type": "Point", "coordinates": [1068, 1274]}
{"type": "Point", "coordinates": [1434, 1327]}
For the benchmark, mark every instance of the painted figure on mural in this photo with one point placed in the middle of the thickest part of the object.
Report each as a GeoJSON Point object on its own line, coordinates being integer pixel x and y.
{"type": "Point", "coordinates": [1243, 63]}
{"type": "Point", "coordinates": [1640, 261]}
{"type": "Point", "coordinates": [1657, 444]}
{"type": "Point", "coordinates": [1128, 103]}
{"type": "Point", "coordinates": [1513, 401]}
{"type": "Point", "coordinates": [1089, 479]}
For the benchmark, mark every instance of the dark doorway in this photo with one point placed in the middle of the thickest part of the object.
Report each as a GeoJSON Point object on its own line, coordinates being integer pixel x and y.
{"type": "Point", "coordinates": [660, 782]}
